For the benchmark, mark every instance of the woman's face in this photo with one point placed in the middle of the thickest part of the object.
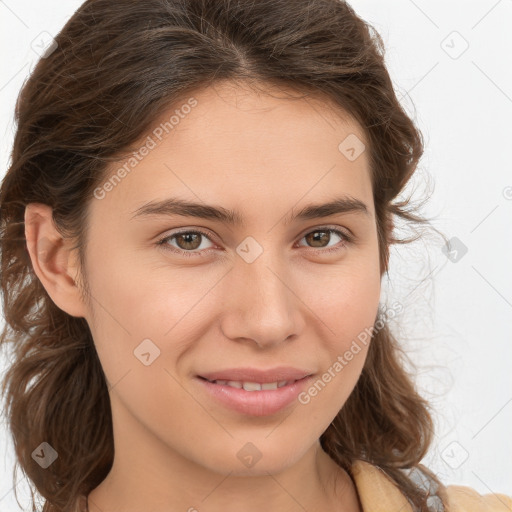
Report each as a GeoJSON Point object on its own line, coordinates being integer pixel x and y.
{"type": "Point", "coordinates": [262, 289]}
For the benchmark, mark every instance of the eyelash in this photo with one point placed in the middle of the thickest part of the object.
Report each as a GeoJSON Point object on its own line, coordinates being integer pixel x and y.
{"type": "Point", "coordinates": [346, 239]}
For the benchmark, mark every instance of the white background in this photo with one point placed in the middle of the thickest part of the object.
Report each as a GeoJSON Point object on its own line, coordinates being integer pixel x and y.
{"type": "Point", "coordinates": [457, 322]}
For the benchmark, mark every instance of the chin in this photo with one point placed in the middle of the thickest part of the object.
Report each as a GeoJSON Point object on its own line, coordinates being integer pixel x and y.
{"type": "Point", "coordinates": [252, 458]}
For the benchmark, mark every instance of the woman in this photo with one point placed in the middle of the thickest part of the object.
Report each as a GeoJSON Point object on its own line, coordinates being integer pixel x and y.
{"type": "Point", "coordinates": [195, 225]}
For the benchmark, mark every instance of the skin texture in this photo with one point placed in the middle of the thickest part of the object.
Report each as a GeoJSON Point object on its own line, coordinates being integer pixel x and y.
{"type": "Point", "coordinates": [175, 447]}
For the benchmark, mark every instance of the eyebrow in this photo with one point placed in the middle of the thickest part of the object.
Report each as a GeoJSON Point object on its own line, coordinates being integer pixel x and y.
{"type": "Point", "coordinates": [176, 206]}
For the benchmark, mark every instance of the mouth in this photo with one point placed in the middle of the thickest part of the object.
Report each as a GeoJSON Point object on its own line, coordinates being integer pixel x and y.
{"type": "Point", "coordinates": [252, 386]}
{"type": "Point", "coordinates": [254, 398]}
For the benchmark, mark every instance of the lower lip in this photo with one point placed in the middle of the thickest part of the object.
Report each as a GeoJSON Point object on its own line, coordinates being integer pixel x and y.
{"type": "Point", "coordinates": [255, 403]}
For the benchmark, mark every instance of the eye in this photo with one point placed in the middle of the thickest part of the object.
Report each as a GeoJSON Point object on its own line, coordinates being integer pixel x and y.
{"type": "Point", "coordinates": [189, 242]}
{"type": "Point", "coordinates": [319, 236]}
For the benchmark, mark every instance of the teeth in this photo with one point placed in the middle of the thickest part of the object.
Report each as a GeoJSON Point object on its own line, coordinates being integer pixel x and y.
{"type": "Point", "coordinates": [253, 386]}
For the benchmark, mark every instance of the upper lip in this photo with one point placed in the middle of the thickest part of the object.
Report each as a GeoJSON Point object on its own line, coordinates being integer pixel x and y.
{"type": "Point", "coordinates": [278, 374]}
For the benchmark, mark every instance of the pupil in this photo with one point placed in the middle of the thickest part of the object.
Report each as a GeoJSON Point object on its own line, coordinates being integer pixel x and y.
{"type": "Point", "coordinates": [316, 237]}
{"type": "Point", "coordinates": [187, 237]}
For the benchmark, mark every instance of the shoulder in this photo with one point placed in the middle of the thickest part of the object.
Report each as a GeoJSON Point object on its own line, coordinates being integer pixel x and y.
{"type": "Point", "coordinates": [457, 498]}
{"type": "Point", "coordinates": [378, 491]}
{"type": "Point", "coordinates": [462, 498]}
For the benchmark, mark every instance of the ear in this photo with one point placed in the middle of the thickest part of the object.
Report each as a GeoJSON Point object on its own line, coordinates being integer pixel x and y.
{"type": "Point", "coordinates": [52, 259]}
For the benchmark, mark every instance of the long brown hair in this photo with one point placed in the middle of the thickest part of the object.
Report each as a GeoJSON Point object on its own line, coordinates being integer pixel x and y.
{"type": "Point", "coordinates": [116, 66]}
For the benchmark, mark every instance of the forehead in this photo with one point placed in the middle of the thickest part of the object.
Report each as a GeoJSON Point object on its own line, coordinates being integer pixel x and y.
{"type": "Point", "coordinates": [229, 143]}
{"type": "Point", "coordinates": [262, 111]}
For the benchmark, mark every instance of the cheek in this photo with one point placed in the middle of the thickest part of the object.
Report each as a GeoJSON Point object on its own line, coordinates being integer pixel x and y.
{"type": "Point", "coordinates": [142, 309]}
{"type": "Point", "coordinates": [347, 308]}
{"type": "Point", "coordinates": [350, 321]}
{"type": "Point", "coordinates": [141, 298]}
{"type": "Point", "coordinates": [346, 299]}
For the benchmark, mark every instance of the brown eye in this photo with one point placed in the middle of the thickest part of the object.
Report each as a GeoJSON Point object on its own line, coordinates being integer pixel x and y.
{"type": "Point", "coordinates": [321, 237]}
{"type": "Point", "coordinates": [318, 238]}
{"type": "Point", "coordinates": [188, 243]}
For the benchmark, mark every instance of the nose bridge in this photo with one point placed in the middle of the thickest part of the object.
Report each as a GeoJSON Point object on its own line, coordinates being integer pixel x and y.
{"type": "Point", "coordinates": [262, 303]}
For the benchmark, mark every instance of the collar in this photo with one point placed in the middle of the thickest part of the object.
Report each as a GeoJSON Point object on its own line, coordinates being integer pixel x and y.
{"type": "Point", "coordinates": [377, 492]}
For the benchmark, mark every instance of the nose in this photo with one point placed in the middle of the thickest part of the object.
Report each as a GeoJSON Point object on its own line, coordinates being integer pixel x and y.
{"type": "Point", "coordinates": [262, 306]}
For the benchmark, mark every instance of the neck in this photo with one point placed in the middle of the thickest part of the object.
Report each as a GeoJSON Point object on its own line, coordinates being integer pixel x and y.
{"type": "Point", "coordinates": [150, 475]}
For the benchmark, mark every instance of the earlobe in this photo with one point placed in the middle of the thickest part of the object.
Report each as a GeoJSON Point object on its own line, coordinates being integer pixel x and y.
{"type": "Point", "coordinates": [52, 260]}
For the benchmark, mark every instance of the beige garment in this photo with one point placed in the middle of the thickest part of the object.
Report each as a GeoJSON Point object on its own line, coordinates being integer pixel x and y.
{"type": "Point", "coordinates": [378, 493]}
